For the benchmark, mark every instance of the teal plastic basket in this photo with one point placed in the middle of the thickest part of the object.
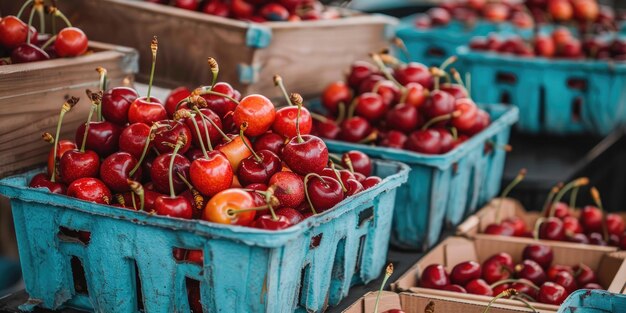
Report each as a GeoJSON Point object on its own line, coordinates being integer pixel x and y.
{"type": "Point", "coordinates": [443, 189]}
{"type": "Point", "coordinates": [303, 268]}
{"type": "Point", "coordinates": [593, 301]}
{"type": "Point", "coordinates": [434, 45]}
{"type": "Point", "coordinates": [554, 96]}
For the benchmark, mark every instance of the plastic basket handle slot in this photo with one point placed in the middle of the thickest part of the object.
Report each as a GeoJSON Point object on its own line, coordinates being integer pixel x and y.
{"type": "Point", "coordinates": [359, 255]}
{"type": "Point", "coordinates": [315, 241]}
{"type": "Point", "coordinates": [436, 52]}
{"type": "Point", "coordinates": [577, 105]}
{"type": "Point", "coordinates": [138, 289]}
{"type": "Point", "coordinates": [78, 275]}
{"type": "Point", "coordinates": [193, 295]}
{"type": "Point", "coordinates": [577, 83]}
{"type": "Point", "coordinates": [365, 216]}
{"type": "Point", "coordinates": [506, 78]}
{"type": "Point", "coordinates": [73, 235]}
{"type": "Point", "coordinates": [505, 97]}
{"type": "Point", "coordinates": [304, 285]}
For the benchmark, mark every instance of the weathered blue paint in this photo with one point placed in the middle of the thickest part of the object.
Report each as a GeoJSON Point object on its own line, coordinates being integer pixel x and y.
{"type": "Point", "coordinates": [244, 270]}
{"type": "Point", "coordinates": [593, 301]}
{"type": "Point", "coordinates": [541, 91]}
{"type": "Point", "coordinates": [248, 74]}
{"type": "Point", "coordinates": [442, 189]}
{"type": "Point", "coordinates": [258, 36]}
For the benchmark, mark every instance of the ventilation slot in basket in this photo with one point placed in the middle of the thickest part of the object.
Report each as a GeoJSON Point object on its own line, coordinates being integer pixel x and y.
{"type": "Point", "coordinates": [470, 190]}
{"type": "Point", "coordinates": [577, 84]}
{"type": "Point", "coordinates": [542, 105]}
{"type": "Point", "coordinates": [505, 97]}
{"type": "Point", "coordinates": [435, 52]}
{"type": "Point", "coordinates": [359, 255]}
{"type": "Point", "coordinates": [78, 274]}
{"type": "Point", "coordinates": [69, 235]}
{"type": "Point", "coordinates": [338, 272]}
{"type": "Point", "coordinates": [193, 295]}
{"type": "Point", "coordinates": [315, 241]}
{"type": "Point", "coordinates": [366, 215]}
{"type": "Point", "coordinates": [506, 78]}
{"type": "Point", "coordinates": [304, 285]}
{"type": "Point", "coordinates": [577, 106]}
{"type": "Point", "coordinates": [139, 291]}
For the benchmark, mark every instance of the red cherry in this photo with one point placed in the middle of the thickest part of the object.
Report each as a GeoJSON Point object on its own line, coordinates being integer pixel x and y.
{"type": "Point", "coordinates": [370, 106]}
{"type": "Point", "coordinates": [13, 32]}
{"type": "Point", "coordinates": [102, 137]}
{"type": "Point", "coordinates": [359, 71]}
{"type": "Point", "coordinates": [274, 12]}
{"type": "Point", "coordinates": [257, 111]}
{"type": "Point", "coordinates": [593, 286]}
{"type": "Point", "coordinates": [133, 139]}
{"type": "Point", "coordinates": [571, 225]}
{"type": "Point", "coordinates": [160, 169]}
{"type": "Point", "coordinates": [479, 287]}
{"type": "Point", "coordinates": [42, 180]}
{"type": "Point", "coordinates": [439, 16]}
{"type": "Point", "coordinates": [285, 122]}
{"type": "Point", "coordinates": [177, 206]}
{"type": "Point", "coordinates": [551, 293]}
{"type": "Point", "coordinates": [293, 216]}
{"type": "Point", "coordinates": [465, 122]}
{"type": "Point", "coordinates": [524, 286]}
{"type": "Point", "coordinates": [355, 129]}
{"type": "Point", "coordinates": [584, 274]}
{"type": "Point", "coordinates": [552, 229]}
{"type": "Point", "coordinates": [335, 93]}
{"type": "Point", "coordinates": [439, 103]}
{"type": "Point", "coordinates": [426, 141]}
{"type": "Point", "coordinates": [241, 9]}
{"type": "Point", "coordinates": [360, 162]}
{"type": "Point", "coordinates": [497, 267]}
{"type": "Point", "coordinates": [205, 126]}
{"type": "Point", "coordinates": [115, 171]}
{"type": "Point", "coordinates": [463, 272]}
{"type": "Point", "coordinates": [416, 94]}
{"type": "Point", "coordinates": [308, 156]}
{"type": "Point", "coordinates": [414, 73]}
{"type": "Point", "coordinates": [187, 4]}
{"type": "Point", "coordinates": [388, 91]}
{"type": "Point", "coordinates": [532, 271]}
{"type": "Point", "coordinates": [258, 168]}
{"type": "Point", "coordinates": [71, 42]}
{"type": "Point", "coordinates": [541, 254]}
{"type": "Point", "coordinates": [116, 103]}
{"type": "Point", "coordinates": [221, 105]}
{"type": "Point", "coordinates": [270, 141]}
{"type": "Point", "coordinates": [544, 46]}
{"type": "Point", "coordinates": [324, 192]}
{"type": "Point", "coordinates": [167, 133]}
{"type": "Point", "coordinates": [75, 164]}
{"type": "Point", "coordinates": [146, 111]}
{"type": "Point", "coordinates": [89, 189]}
{"type": "Point", "coordinates": [434, 276]}
{"type": "Point", "coordinates": [566, 280]}
{"type": "Point", "coordinates": [561, 10]}
{"type": "Point", "coordinates": [174, 98]}
{"type": "Point", "coordinates": [455, 288]}
{"type": "Point", "coordinates": [615, 224]}
{"type": "Point", "coordinates": [288, 189]}
{"type": "Point", "coordinates": [591, 219]}
{"type": "Point", "coordinates": [266, 221]}
{"type": "Point", "coordinates": [27, 52]}
{"type": "Point", "coordinates": [482, 121]}
{"type": "Point", "coordinates": [496, 12]}
{"type": "Point", "coordinates": [326, 129]}
{"type": "Point", "coordinates": [217, 8]}
{"type": "Point", "coordinates": [518, 225]}
{"type": "Point", "coordinates": [393, 139]}
{"type": "Point", "coordinates": [63, 146]}
{"type": "Point", "coordinates": [370, 182]}
{"type": "Point", "coordinates": [557, 268]}
{"type": "Point", "coordinates": [403, 117]}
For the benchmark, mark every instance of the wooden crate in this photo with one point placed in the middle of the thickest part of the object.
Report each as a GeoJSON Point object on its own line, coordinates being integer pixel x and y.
{"type": "Point", "coordinates": [32, 94]}
{"type": "Point", "coordinates": [308, 55]}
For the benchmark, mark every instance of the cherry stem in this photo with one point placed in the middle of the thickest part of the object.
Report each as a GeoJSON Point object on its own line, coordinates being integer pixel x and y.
{"type": "Point", "coordinates": [576, 183]}
{"type": "Point", "coordinates": [298, 101]}
{"type": "Point", "coordinates": [206, 134]}
{"type": "Point", "coordinates": [518, 179]}
{"type": "Point", "coordinates": [348, 162]}
{"type": "Point", "coordinates": [94, 107]}
{"type": "Point", "coordinates": [215, 70]}
{"type": "Point", "coordinates": [137, 189]}
{"type": "Point", "coordinates": [504, 294]}
{"type": "Point", "coordinates": [551, 194]}
{"type": "Point", "coordinates": [341, 107]}
{"type": "Point", "coordinates": [352, 108]}
{"type": "Point", "coordinates": [132, 198]}
{"type": "Point", "coordinates": [64, 109]}
{"type": "Point", "coordinates": [268, 196]}
{"type": "Point", "coordinates": [219, 130]}
{"type": "Point", "coordinates": [278, 82]}
{"type": "Point", "coordinates": [42, 19]}
{"type": "Point", "coordinates": [198, 199]}
{"type": "Point", "coordinates": [62, 16]}
{"type": "Point", "coordinates": [399, 43]}
{"type": "Point", "coordinates": [306, 189]}
{"type": "Point", "coordinates": [30, 22]}
{"type": "Point", "coordinates": [537, 226]}
{"type": "Point", "coordinates": [572, 197]}
{"type": "Point", "coordinates": [242, 129]}
{"type": "Point", "coordinates": [388, 272]}
{"type": "Point", "coordinates": [319, 117]}
{"type": "Point", "coordinates": [103, 82]}
{"type": "Point", "coordinates": [232, 212]}
{"type": "Point", "coordinates": [595, 194]}
{"type": "Point", "coordinates": [343, 187]}
{"type": "Point", "coordinates": [441, 118]}
{"type": "Point", "coordinates": [197, 129]}
{"type": "Point", "coordinates": [205, 91]}
{"type": "Point", "coordinates": [468, 83]}
{"type": "Point", "coordinates": [454, 132]}
{"type": "Point", "coordinates": [179, 143]}
{"type": "Point", "coordinates": [510, 281]}
{"type": "Point", "coordinates": [144, 152]}
{"type": "Point", "coordinates": [384, 70]}
{"type": "Point", "coordinates": [49, 42]}
{"type": "Point", "coordinates": [447, 62]}
{"type": "Point", "coordinates": [24, 6]}
{"type": "Point", "coordinates": [154, 47]}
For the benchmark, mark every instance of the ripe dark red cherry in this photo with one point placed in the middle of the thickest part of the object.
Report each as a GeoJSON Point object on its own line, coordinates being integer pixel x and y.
{"type": "Point", "coordinates": [116, 102]}
{"type": "Point", "coordinates": [89, 189]}
{"type": "Point", "coordinates": [434, 276]}
{"type": "Point", "coordinates": [463, 272]}
{"type": "Point", "coordinates": [71, 42]}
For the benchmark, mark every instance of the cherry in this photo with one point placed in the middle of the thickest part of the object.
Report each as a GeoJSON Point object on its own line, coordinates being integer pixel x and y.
{"type": "Point", "coordinates": [259, 167]}
{"type": "Point", "coordinates": [463, 272]}
{"type": "Point", "coordinates": [217, 8]}
{"type": "Point", "coordinates": [415, 94]}
{"type": "Point", "coordinates": [586, 10]}
{"type": "Point", "coordinates": [403, 117]}
{"type": "Point", "coordinates": [268, 222]}
{"type": "Point", "coordinates": [597, 239]}
{"type": "Point", "coordinates": [359, 71]}
{"type": "Point", "coordinates": [525, 286]}
{"type": "Point", "coordinates": [257, 111]}
{"type": "Point", "coordinates": [388, 91]}
{"type": "Point", "coordinates": [334, 94]}
{"type": "Point", "coordinates": [355, 129]}
{"type": "Point", "coordinates": [370, 106]}
{"type": "Point", "coordinates": [187, 4]}
{"type": "Point", "coordinates": [434, 276]}
{"type": "Point", "coordinates": [551, 293]}
{"type": "Point", "coordinates": [166, 134]}
{"type": "Point", "coordinates": [271, 142]}
{"type": "Point", "coordinates": [592, 286]}
{"type": "Point", "coordinates": [482, 121]}
{"type": "Point", "coordinates": [497, 267]}
{"type": "Point", "coordinates": [566, 280]}
{"type": "Point", "coordinates": [322, 193]}
{"type": "Point", "coordinates": [27, 52]}
{"type": "Point", "coordinates": [288, 189]}
{"type": "Point", "coordinates": [427, 141]}
{"type": "Point", "coordinates": [465, 121]}
{"type": "Point", "coordinates": [172, 100]}
{"type": "Point", "coordinates": [571, 225]}
{"type": "Point", "coordinates": [235, 150]}
{"type": "Point", "coordinates": [220, 104]}
{"type": "Point", "coordinates": [439, 103]}
{"type": "Point", "coordinates": [518, 225]}
{"type": "Point", "coordinates": [584, 274]}
{"type": "Point", "coordinates": [557, 268]}
{"type": "Point", "coordinates": [439, 16]}
{"type": "Point", "coordinates": [160, 168]}
{"type": "Point", "coordinates": [357, 161]}
{"type": "Point", "coordinates": [293, 216]}
{"type": "Point", "coordinates": [414, 72]}
{"type": "Point", "coordinates": [455, 288]}
{"type": "Point", "coordinates": [479, 287]}
{"type": "Point", "coordinates": [532, 271]}
{"type": "Point", "coordinates": [591, 219]}
{"type": "Point", "coordinates": [71, 42]}
{"type": "Point", "coordinates": [241, 9]}
{"type": "Point", "coordinates": [75, 164]}
{"type": "Point", "coordinates": [552, 229]}
{"type": "Point", "coordinates": [116, 103]}
{"type": "Point", "coordinates": [14, 32]}
{"type": "Point", "coordinates": [572, 49]}
{"type": "Point", "coordinates": [422, 21]}
{"type": "Point", "coordinates": [544, 46]}
{"type": "Point", "coordinates": [393, 139]}
{"type": "Point", "coordinates": [221, 207]}
{"type": "Point", "coordinates": [285, 122]}
{"type": "Point", "coordinates": [89, 189]}
{"type": "Point", "coordinates": [146, 111]}
{"type": "Point", "coordinates": [326, 129]}
{"type": "Point", "coordinates": [370, 182]}
{"type": "Point", "coordinates": [173, 205]}
{"type": "Point", "coordinates": [42, 180]}
{"type": "Point", "coordinates": [368, 84]}
{"type": "Point", "coordinates": [456, 90]}
{"type": "Point", "coordinates": [561, 10]}
{"type": "Point", "coordinates": [541, 254]}
{"type": "Point", "coordinates": [115, 171]}
{"type": "Point", "coordinates": [133, 139]}
{"type": "Point", "coordinates": [207, 121]}
{"type": "Point", "coordinates": [102, 137]}
{"type": "Point", "coordinates": [615, 224]}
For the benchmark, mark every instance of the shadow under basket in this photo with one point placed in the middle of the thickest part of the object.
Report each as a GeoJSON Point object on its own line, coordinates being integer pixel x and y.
{"type": "Point", "coordinates": [108, 259]}
{"type": "Point", "coordinates": [443, 189]}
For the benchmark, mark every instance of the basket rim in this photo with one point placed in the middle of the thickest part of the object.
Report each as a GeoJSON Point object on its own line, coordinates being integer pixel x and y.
{"type": "Point", "coordinates": [441, 161]}
{"type": "Point", "coordinates": [16, 187]}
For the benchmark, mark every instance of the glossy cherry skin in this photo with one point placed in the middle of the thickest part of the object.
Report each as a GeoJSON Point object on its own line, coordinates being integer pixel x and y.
{"type": "Point", "coordinates": [266, 221]}
{"type": "Point", "coordinates": [221, 105]}
{"type": "Point", "coordinates": [270, 141]}
{"type": "Point", "coordinates": [285, 122]}
{"type": "Point", "coordinates": [165, 136]}
{"type": "Point", "coordinates": [468, 110]}
{"type": "Point", "coordinates": [103, 137]}
{"type": "Point", "coordinates": [434, 276]}
{"type": "Point", "coordinates": [416, 95]}
{"type": "Point", "coordinates": [211, 175]}
{"type": "Point", "coordinates": [174, 98]}
{"type": "Point", "coordinates": [370, 182]}
{"type": "Point", "coordinates": [566, 280]}
{"type": "Point", "coordinates": [115, 171]}
{"type": "Point", "coordinates": [288, 188]}
{"type": "Point", "coordinates": [518, 225]}
{"type": "Point", "coordinates": [27, 52]}
{"type": "Point", "coordinates": [359, 71]}
{"type": "Point", "coordinates": [571, 226]}
{"type": "Point", "coordinates": [256, 110]}
{"type": "Point", "coordinates": [557, 268]}
{"type": "Point", "coordinates": [203, 126]}
{"type": "Point", "coordinates": [293, 216]}
{"type": "Point", "coordinates": [551, 293]}
{"type": "Point", "coordinates": [439, 103]}
{"type": "Point", "coordinates": [482, 121]}
{"type": "Point", "coordinates": [414, 73]}
{"type": "Point", "coordinates": [235, 150]}
{"type": "Point", "coordinates": [64, 145]}
{"type": "Point", "coordinates": [597, 239]}
{"type": "Point", "coordinates": [75, 164]}
{"type": "Point", "coordinates": [479, 287]}
{"type": "Point", "coordinates": [326, 129]}
{"type": "Point", "coordinates": [89, 189]}
{"type": "Point", "coordinates": [360, 162]}
{"type": "Point", "coordinates": [502, 229]}
{"type": "Point", "coordinates": [463, 272]}
{"type": "Point", "coordinates": [253, 171]}
{"type": "Point", "coordinates": [393, 139]}
{"type": "Point", "coordinates": [426, 141]}
{"type": "Point", "coordinates": [191, 5]}
{"type": "Point", "coordinates": [403, 117]}
{"type": "Point", "coordinates": [116, 103]}
{"type": "Point", "coordinates": [561, 210]}
{"type": "Point", "coordinates": [355, 129]}
{"type": "Point", "coordinates": [42, 180]}
{"type": "Point", "coordinates": [370, 106]}
{"type": "Point", "coordinates": [309, 156]}
{"type": "Point", "coordinates": [13, 32]}
{"type": "Point", "coordinates": [584, 274]}
{"type": "Point", "coordinates": [541, 254]}
{"type": "Point", "coordinates": [71, 42]}
{"type": "Point", "coordinates": [532, 271]}
{"type": "Point", "coordinates": [133, 139]}
{"type": "Point", "coordinates": [439, 16]}
{"type": "Point", "coordinates": [160, 169]}
{"type": "Point", "coordinates": [615, 224]}
{"type": "Point", "coordinates": [368, 84]}
{"type": "Point", "coordinates": [497, 267]}
{"type": "Point", "coordinates": [177, 206]}
{"type": "Point", "coordinates": [591, 219]}
{"type": "Point", "coordinates": [552, 229]}
{"type": "Point", "coordinates": [146, 111]}
{"type": "Point", "coordinates": [218, 208]}
{"type": "Point", "coordinates": [335, 93]}
{"type": "Point", "coordinates": [388, 91]}
{"type": "Point", "coordinates": [523, 285]}
{"type": "Point", "coordinates": [455, 288]}
{"type": "Point", "coordinates": [217, 8]}
{"type": "Point", "coordinates": [324, 194]}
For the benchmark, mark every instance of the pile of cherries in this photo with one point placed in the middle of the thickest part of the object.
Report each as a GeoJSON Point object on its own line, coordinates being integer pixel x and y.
{"type": "Point", "coordinates": [563, 222]}
{"type": "Point", "coordinates": [402, 106]}
{"type": "Point", "coordinates": [21, 42]}
{"type": "Point", "coordinates": [586, 15]}
{"type": "Point", "coordinates": [206, 154]}
{"type": "Point", "coordinates": [469, 11]}
{"type": "Point", "coordinates": [259, 10]}
{"type": "Point", "coordinates": [535, 277]}
{"type": "Point", "coordinates": [558, 44]}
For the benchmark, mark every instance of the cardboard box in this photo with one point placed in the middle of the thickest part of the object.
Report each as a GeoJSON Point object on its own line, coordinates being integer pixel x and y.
{"type": "Point", "coordinates": [474, 225]}
{"type": "Point", "coordinates": [31, 102]}
{"type": "Point", "coordinates": [308, 55]}
{"type": "Point", "coordinates": [610, 266]}
{"type": "Point", "coordinates": [418, 302]}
